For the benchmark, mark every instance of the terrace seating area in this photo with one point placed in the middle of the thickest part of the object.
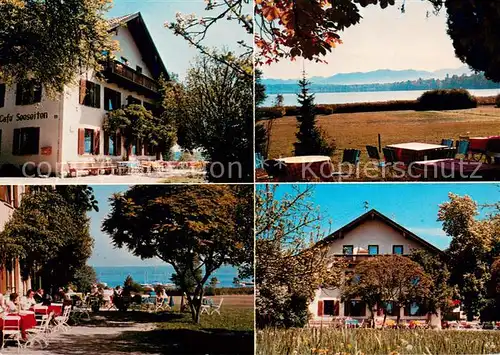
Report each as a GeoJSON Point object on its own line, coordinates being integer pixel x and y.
{"type": "Point", "coordinates": [132, 167]}
{"type": "Point", "coordinates": [465, 158]}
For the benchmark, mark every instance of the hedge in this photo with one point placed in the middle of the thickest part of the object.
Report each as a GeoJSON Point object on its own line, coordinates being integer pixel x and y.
{"type": "Point", "coordinates": [446, 100]}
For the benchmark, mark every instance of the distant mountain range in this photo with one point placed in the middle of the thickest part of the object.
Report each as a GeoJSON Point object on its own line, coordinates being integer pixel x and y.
{"type": "Point", "coordinates": [380, 76]}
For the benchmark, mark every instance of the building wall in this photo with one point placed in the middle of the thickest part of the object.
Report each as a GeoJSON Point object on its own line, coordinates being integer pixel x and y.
{"type": "Point", "coordinates": [372, 232]}
{"type": "Point", "coordinates": [10, 118]}
{"type": "Point", "coordinates": [129, 50]}
{"type": "Point", "coordinates": [64, 116]}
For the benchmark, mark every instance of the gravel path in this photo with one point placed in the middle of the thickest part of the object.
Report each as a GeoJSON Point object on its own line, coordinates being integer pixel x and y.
{"type": "Point", "coordinates": [111, 340]}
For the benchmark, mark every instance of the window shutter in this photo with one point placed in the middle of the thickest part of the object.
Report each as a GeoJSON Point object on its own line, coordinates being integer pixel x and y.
{"type": "Point", "coordinates": [98, 95]}
{"type": "Point", "coordinates": [19, 94]}
{"type": "Point", "coordinates": [3, 192]}
{"type": "Point", "coordinates": [139, 147]}
{"type": "Point", "coordinates": [83, 90]}
{"type": "Point", "coordinates": [97, 142]}
{"type": "Point", "coordinates": [16, 196]}
{"type": "Point", "coordinates": [81, 141]}
{"type": "Point", "coordinates": [37, 92]}
{"type": "Point", "coordinates": [106, 143]}
{"type": "Point", "coordinates": [2, 95]}
{"type": "Point", "coordinates": [118, 145]}
{"type": "Point", "coordinates": [17, 136]}
{"type": "Point", "coordinates": [320, 308]}
{"type": "Point", "coordinates": [146, 148]}
{"type": "Point", "coordinates": [336, 309]}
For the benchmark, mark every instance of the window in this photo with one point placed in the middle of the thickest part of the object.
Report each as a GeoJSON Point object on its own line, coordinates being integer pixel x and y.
{"type": "Point", "coordinates": [90, 94]}
{"type": "Point", "coordinates": [28, 93]}
{"type": "Point", "coordinates": [354, 309]}
{"type": "Point", "coordinates": [397, 249]}
{"type": "Point", "coordinates": [112, 144]}
{"type": "Point", "coordinates": [133, 101]}
{"type": "Point", "coordinates": [391, 309]}
{"type": "Point", "coordinates": [331, 308]}
{"type": "Point", "coordinates": [2, 95]}
{"type": "Point", "coordinates": [89, 141]}
{"type": "Point", "coordinates": [373, 249]}
{"type": "Point", "coordinates": [0, 141]}
{"type": "Point", "coordinates": [138, 69]}
{"type": "Point", "coordinates": [347, 250]}
{"type": "Point", "coordinates": [415, 310]}
{"type": "Point", "coordinates": [112, 99]}
{"type": "Point", "coordinates": [26, 141]}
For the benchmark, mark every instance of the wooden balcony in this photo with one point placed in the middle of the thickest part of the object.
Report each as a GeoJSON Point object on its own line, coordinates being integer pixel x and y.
{"type": "Point", "coordinates": [130, 78]}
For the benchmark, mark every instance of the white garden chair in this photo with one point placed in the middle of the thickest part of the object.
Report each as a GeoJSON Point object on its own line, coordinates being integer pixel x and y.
{"type": "Point", "coordinates": [12, 331]}
{"type": "Point", "coordinates": [39, 334]}
{"type": "Point", "coordinates": [205, 308]}
{"type": "Point", "coordinates": [62, 321]}
{"type": "Point", "coordinates": [215, 308]}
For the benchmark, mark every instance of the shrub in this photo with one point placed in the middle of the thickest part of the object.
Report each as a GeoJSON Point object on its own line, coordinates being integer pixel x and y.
{"type": "Point", "coordinates": [446, 100]}
{"type": "Point", "coordinates": [271, 112]}
{"type": "Point", "coordinates": [210, 291]}
{"type": "Point", "coordinates": [131, 286]}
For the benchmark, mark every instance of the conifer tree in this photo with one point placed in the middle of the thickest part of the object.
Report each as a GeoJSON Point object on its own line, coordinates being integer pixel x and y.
{"type": "Point", "coordinates": [311, 140]}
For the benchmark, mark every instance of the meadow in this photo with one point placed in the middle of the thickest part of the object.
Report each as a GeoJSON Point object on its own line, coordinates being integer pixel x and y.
{"type": "Point", "coordinates": [328, 341]}
{"type": "Point", "coordinates": [356, 130]}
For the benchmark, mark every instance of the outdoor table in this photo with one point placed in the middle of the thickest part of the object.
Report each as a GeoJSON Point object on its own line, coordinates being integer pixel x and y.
{"type": "Point", "coordinates": [414, 151]}
{"type": "Point", "coordinates": [351, 323]}
{"type": "Point", "coordinates": [55, 307]}
{"type": "Point", "coordinates": [307, 167]}
{"type": "Point", "coordinates": [28, 321]}
{"type": "Point", "coordinates": [454, 169]}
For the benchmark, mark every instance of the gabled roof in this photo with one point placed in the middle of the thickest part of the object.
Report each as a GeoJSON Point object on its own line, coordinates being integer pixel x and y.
{"type": "Point", "coordinates": [374, 214]}
{"type": "Point", "coordinates": [140, 33]}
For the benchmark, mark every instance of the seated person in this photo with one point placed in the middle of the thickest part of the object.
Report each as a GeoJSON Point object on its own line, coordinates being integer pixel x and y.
{"type": "Point", "coordinates": [29, 300]}
{"type": "Point", "coordinates": [13, 302]}
{"type": "Point", "coordinates": [47, 300]}
{"type": "Point", "coordinates": [39, 295]}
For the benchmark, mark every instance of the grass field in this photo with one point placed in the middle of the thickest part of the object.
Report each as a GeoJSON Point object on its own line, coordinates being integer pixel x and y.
{"type": "Point", "coordinates": [356, 130]}
{"type": "Point", "coordinates": [371, 341]}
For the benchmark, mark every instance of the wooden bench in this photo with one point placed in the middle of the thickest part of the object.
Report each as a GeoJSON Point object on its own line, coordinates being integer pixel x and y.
{"type": "Point", "coordinates": [92, 168]}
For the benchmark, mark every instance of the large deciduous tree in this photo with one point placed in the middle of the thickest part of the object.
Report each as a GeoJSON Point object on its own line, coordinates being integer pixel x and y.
{"type": "Point", "coordinates": [214, 110]}
{"type": "Point", "coordinates": [189, 227]}
{"type": "Point", "coordinates": [51, 41]}
{"type": "Point", "coordinates": [471, 249]}
{"type": "Point", "coordinates": [49, 233]}
{"type": "Point", "coordinates": [388, 279]}
{"type": "Point", "coordinates": [290, 263]}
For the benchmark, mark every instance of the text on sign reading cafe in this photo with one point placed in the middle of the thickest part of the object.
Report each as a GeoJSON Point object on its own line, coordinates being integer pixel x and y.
{"type": "Point", "coordinates": [26, 117]}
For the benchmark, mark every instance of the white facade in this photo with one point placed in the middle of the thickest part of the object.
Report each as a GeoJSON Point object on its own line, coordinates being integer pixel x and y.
{"type": "Point", "coordinates": [378, 234]}
{"type": "Point", "coordinates": [61, 120]}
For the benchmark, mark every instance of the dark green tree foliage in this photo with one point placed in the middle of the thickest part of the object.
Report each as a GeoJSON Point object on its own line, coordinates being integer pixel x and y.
{"type": "Point", "coordinates": [446, 100]}
{"type": "Point", "coordinates": [136, 123]}
{"type": "Point", "coordinates": [261, 135]}
{"type": "Point", "coordinates": [189, 227]}
{"type": "Point", "coordinates": [129, 286]}
{"type": "Point", "coordinates": [84, 278]}
{"type": "Point", "coordinates": [52, 40]}
{"type": "Point", "coordinates": [310, 139]}
{"type": "Point", "coordinates": [49, 233]}
{"type": "Point", "coordinates": [187, 280]}
{"type": "Point", "coordinates": [473, 27]}
{"type": "Point", "coordinates": [441, 293]}
{"type": "Point", "coordinates": [215, 113]}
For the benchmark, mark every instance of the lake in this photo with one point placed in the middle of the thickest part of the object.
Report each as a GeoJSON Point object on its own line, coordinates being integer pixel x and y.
{"type": "Point", "coordinates": [373, 96]}
{"type": "Point", "coordinates": [114, 276]}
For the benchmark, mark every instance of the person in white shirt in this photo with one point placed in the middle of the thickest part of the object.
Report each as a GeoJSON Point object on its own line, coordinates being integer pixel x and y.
{"type": "Point", "coordinates": [30, 299]}
{"type": "Point", "coordinates": [2, 304]}
{"type": "Point", "coordinates": [13, 302]}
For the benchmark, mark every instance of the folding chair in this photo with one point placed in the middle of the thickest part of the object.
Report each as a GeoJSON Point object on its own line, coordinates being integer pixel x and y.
{"type": "Point", "coordinates": [215, 308]}
{"type": "Point", "coordinates": [350, 156]}
{"type": "Point", "coordinates": [205, 308]}
{"type": "Point", "coordinates": [12, 328]}
{"type": "Point", "coordinates": [463, 147]}
{"type": "Point", "coordinates": [374, 154]}
{"type": "Point", "coordinates": [62, 321]}
{"type": "Point", "coordinates": [39, 333]}
{"type": "Point", "coordinates": [447, 142]}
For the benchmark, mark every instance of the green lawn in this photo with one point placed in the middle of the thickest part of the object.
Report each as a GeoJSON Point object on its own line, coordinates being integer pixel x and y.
{"type": "Point", "coordinates": [370, 341]}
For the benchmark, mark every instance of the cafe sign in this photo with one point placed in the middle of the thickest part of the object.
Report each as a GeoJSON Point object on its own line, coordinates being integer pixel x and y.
{"type": "Point", "coordinates": [24, 117]}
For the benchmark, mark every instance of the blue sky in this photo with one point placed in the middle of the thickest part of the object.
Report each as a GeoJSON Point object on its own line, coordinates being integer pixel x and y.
{"type": "Point", "coordinates": [414, 206]}
{"type": "Point", "coordinates": [176, 53]}
{"type": "Point", "coordinates": [105, 254]}
{"type": "Point", "coordinates": [384, 39]}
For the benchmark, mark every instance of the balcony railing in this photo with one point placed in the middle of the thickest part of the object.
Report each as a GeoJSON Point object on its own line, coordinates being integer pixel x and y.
{"type": "Point", "coordinates": [133, 75]}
